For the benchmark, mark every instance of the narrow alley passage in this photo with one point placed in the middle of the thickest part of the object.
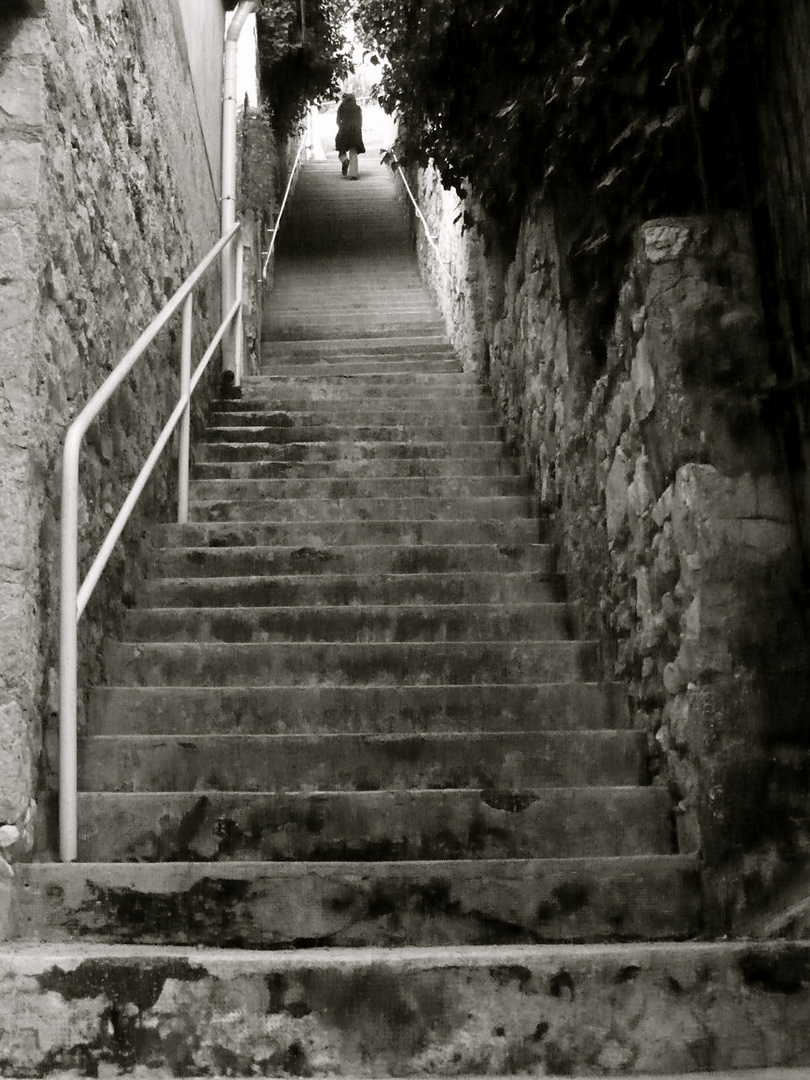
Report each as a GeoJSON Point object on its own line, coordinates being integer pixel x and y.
{"type": "Point", "coordinates": [354, 779]}
{"type": "Point", "coordinates": [351, 683]}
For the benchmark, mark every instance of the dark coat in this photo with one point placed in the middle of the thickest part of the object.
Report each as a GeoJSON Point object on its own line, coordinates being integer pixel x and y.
{"type": "Point", "coordinates": [350, 127]}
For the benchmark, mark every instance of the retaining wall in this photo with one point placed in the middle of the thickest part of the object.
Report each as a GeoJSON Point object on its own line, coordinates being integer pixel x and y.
{"type": "Point", "coordinates": [661, 477]}
{"type": "Point", "coordinates": [106, 203]}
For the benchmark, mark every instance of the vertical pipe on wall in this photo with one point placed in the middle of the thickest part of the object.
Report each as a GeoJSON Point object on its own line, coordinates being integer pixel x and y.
{"type": "Point", "coordinates": [68, 651]}
{"type": "Point", "coordinates": [228, 194]}
{"type": "Point", "coordinates": [185, 424]}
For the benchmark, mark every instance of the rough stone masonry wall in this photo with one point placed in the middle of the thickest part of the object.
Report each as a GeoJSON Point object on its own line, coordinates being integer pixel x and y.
{"type": "Point", "coordinates": [105, 205]}
{"type": "Point", "coordinates": [784, 168]}
{"type": "Point", "coordinates": [674, 520]}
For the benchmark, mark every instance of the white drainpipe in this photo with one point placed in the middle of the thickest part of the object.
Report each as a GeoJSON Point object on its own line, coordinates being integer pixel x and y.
{"type": "Point", "coordinates": [228, 192]}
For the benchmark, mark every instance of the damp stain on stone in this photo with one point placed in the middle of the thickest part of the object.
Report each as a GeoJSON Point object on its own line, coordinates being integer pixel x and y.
{"type": "Point", "coordinates": [372, 1004]}
{"type": "Point", "coordinates": [177, 844]}
{"type": "Point", "coordinates": [226, 539]}
{"type": "Point", "coordinates": [779, 972]}
{"type": "Point", "coordinates": [571, 896]}
{"type": "Point", "coordinates": [566, 899]}
{"type": "Point", "coordinates": [504, 974]}
{"type": "Point", "coordinates": [561, 985]}
{"type": "Point", "coordinates": [315, 555]}
{"type": "Point", "coordinates": [627, 974]}
{"type": "Point", "coordinates": [122, 983]}
{"type": "Point", "coordinates": [510, 550]}
{"type": "Point", "coordinates": [296, 1062]}
{"type": "Point", "coordinates": [512, 802]}
{"type": "Point", "coordinates": [209, 910]}
{"type": "Point", "coordinates": [230, 837]}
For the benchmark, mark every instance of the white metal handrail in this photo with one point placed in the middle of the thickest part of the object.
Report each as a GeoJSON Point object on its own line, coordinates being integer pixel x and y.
{"type": "Point", "coordinates": [74, 598]}
{"type": "Point", "coordinates": [431, 239]}
{"type": "Point", "coordinates": [275, 228]}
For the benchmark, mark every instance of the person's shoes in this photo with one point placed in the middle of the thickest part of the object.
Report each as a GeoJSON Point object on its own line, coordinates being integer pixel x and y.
{"type": "Point", "coordinates": [354, 177]}
{"type": "Point", "coordinates": [344, 168]}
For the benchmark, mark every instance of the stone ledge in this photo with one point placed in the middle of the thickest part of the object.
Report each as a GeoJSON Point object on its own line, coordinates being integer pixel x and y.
{"type": "Point", "coordinates": [619, 1010]}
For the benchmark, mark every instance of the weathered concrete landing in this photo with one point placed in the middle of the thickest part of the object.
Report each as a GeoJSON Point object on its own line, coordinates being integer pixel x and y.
{"type": "Point", "coordinates": [410, 1012]}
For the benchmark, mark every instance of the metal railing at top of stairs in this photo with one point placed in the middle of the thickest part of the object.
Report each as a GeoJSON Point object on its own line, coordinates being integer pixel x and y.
{"type": "Point", "coordinates": [274, 231]}
{"type": "Point", "coordinates": [390, 158]}
{"type": "Point", "coordinates": [74, 597]}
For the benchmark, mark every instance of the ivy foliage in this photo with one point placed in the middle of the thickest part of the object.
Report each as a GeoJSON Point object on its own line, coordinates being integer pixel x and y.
{"type": "Point", "coordinates": [258, 163]}
{"type": "Point", "coordinates": [303, 56]}
{"type": "Point", "coordinates": [615, 110]}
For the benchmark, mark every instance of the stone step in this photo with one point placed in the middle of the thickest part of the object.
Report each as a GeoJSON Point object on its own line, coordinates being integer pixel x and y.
{"type": "Point", "coordinates": [408, 708]}
{"type": "Point", "coordinates": [377, 310]}
{"type": "Point", "coordinates": [715, 1074]}
{"type": "Point", "coordinates": [385, 622]}
{"type": "Point", "coordinates": [413, 416]}
{"type": "Point", "coordinates": [302, 306]}
{"type": "Point", "coordinates": [442, 394]}
{"type": "Point", "coordinates": [352, 762]}
{"type": "Point", "coordinates": [410, 508]}
{"type": "Point", "coordinates": [285, 353]}
{"type": "Point", "coordinates": [371, 331]}
{"type": "Point", "coordinates": [364, 826]}
{"type": "Point", "coordinates": [280, 312]}
{"type": "Point", "coordinates": [270, 468]}
{"type": "Point", "coordinates": [337, 488]}
{"type": "Point", "coordinates": [430, 347]}
{"type": "Point", "coordinates": [358, 453]}
{"type": "Point", "coordinates": [433, 589]}
{"type": "Point", "coordinates": [351, 663]}
{"type": "Point", "coordinates": [416, 418]}
{"type": "Point", "coordinates": [405, 344]}
{"type": "Point", "coordinates": [353, 293]}
{"type": "Point", "coordinates": [322, 533]}
{"type": "Point", "coordinates": [365, 559]}
{"type": "Point", "coordinates": [330, 327]}
{"type": "Point", "coordinates": [283, 428]}
{"type": "Point", "coordinates": [335, 366]}
{"type": "Point", "coordinates": [240, 905]}
{"type": "Point", "coordinates": [396, 384]}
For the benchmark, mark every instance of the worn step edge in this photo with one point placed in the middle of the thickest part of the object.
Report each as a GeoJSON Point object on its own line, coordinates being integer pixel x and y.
{"type": "Point", "coordinates": [384, 467]}
{"type": "Point", "coordinates": [351, 761]}
{"type": "Point", "coordinates": [406, 709]}
{"type": "Point", "coordinates": [352, 663]}
{"type": "Point", "coordinates": [387, 825]}
{"type": "Point", "coordinates": [365, 559]}
{"type": "Point", "coordinates": [346, 621]}
{"type": "Point", "coordinates": [304, 904]}
{"type": "Point", "coordinates": [269, 590]}
{"type": "Point", "coordinates": [370, 449]}
{"type": "Point", "coordinates": [798, 1073]}
{"type": "Point", "coordinates": [414, 532]}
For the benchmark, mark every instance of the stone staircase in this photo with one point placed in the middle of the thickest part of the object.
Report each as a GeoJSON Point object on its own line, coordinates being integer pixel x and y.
{"type": "Point", "coordinates": [355, 800]}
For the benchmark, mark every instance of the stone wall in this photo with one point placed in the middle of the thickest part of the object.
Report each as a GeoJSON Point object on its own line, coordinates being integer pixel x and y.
{"type": "Point", "coordinates": [106, 203]}
{"type": "Point", "coordinates": [662, 483]}
{"type": "Point", "coordinates": [783, 183]}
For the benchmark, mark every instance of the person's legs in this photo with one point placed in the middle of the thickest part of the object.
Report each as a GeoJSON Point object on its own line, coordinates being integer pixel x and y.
{"type": "Point", "coordinates": [352, 164]}
{"type": "Point", "coordinates": [344, 162]}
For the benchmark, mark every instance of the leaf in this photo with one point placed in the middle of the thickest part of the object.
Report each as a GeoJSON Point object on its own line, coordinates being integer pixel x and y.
{"type": "Point", "coordinates": [610, 179]}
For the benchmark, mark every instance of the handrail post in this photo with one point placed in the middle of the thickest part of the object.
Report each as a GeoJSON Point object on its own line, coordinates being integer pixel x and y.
{"type": "Point", "coordinates": [185, 424]}
{"type": "Point", "coordinates": [68, 652]}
